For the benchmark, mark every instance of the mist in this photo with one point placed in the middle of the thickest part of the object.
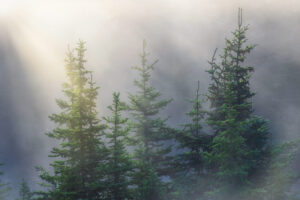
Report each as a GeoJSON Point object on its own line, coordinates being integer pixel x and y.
{"type": "Point", "coordinates": [182, 35]}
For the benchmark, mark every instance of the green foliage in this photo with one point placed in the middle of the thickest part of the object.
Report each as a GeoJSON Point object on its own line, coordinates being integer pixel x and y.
{"type": "Point", "coordinates": [239, 142]}
{"type": "Point", "coordinates": [78, 169]}
{"type": "Point", "coordinates": [232, 161]}
{"type": "Point", "coordinates": [193, 139]}
{"type": "Point", "coordinates": [24, 191]}
{"type": "Point", "coordinates": [280, 175]}
{"type": "Point", "coordinates": [191, 164]}
{"type": "Point", "coordinates": [150, 131]}
{"type": "Point", "coordinates": [119, 164]}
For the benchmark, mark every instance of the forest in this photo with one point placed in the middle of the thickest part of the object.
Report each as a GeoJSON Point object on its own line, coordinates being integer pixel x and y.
{"type": "Point", "coordinates": [223, 152]}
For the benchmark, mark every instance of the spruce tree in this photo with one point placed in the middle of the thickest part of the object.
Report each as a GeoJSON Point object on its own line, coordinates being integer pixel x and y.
{"type": "Point", "coordinates": [78, 170]}
{"type": "Point", "coordinates": [24, 191]}
{"type": "Point", "coordinates": [190, 162]}
{"type": "Point", "coordinates": [150, 131]}
{"type": "Point", "coordinates": [239, 136]}
{"type": "Point", "coordinates": [119, 164]}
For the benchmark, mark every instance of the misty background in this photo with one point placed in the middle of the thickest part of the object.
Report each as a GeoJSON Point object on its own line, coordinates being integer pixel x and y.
{"type": "Point", "coordinates": [181, 34]}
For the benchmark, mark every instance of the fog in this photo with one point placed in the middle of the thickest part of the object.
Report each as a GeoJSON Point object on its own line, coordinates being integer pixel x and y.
{"type": "Point", "coordinates": [34, 36]}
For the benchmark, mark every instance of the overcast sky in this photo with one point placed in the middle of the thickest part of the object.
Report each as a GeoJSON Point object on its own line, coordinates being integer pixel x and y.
{"type": "Point", "coordinates": [182, 34]}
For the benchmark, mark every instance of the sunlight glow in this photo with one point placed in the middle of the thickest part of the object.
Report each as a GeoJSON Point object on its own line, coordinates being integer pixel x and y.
{"type": "Point", "coordinates": [9, 8]}
{"type": "Point", "coordinates": [37, 29]}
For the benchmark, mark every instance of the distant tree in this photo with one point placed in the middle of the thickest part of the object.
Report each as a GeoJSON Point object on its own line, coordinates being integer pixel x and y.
{"type": "Point", "coordinates": [78, 170]}
{"type": "Point", "coordinates": [190, 163]}
{"type": "Point", "coordinates": [24, 191]}
{"type": "Point", "coordinates": [240, 138]}
{"type": "Point", "coordinates": [119, 164]}
{"type": "Point", "coordinates": [150, 131]}
{"type": "Point", "coordinates": [4, 188]}
{"type": "Point", "coordinates": [279, 180]}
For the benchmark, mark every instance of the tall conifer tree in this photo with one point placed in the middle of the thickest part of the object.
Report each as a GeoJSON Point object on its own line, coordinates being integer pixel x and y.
{"type": "Point", "coordinates": [119, 162]}
{"type": "Point", "coordinates": [239, 136]}
{"type": "Point", "coordinates": [78, 168]}
{"type": "Point", "coordinates": [151, 153]}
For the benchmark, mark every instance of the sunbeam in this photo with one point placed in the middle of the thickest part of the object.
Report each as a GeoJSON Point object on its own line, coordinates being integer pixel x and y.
{"type": "Point", "coordinates": [35, 34]}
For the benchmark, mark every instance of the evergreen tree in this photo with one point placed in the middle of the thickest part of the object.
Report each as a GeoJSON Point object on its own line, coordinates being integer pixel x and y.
{"type": "Point", "coordinates": [279, 177]}
{"type": "Point", "coordinates": [239, 136]}
{"type": "Point", "coordinates": [24, 191]}
{"type": "Point", "coordinates": [150, 131]}
{"type": "Point", "coordinates": [191, 164]}
{"type": "Point", "coordinates": [4, 188]}
{"type": "Point", "coordinates": [119, 162]}
{"type": "Point", "coordinates": [78, 170]}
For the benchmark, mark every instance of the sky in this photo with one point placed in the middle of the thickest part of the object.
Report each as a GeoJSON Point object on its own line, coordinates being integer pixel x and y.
{"type": "Point", "coordinates": [181, 34]}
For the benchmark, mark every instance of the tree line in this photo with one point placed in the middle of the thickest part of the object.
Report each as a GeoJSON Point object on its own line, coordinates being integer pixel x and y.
{"type": "Point", "coordinates": [134, 154]}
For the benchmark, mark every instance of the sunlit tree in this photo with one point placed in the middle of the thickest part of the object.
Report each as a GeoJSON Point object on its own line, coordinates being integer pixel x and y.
{"type": "Point", "coordinates": [78, 168]}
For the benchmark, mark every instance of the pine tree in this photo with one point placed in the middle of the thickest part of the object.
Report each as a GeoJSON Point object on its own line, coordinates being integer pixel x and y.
{"type": "Point", "coordinates": [191, 162]}
{"type": "Point", "coordinates": [239, 136]}
{"type": "Point", "coordinates": [119, 162]}
{"type": "Point", "coordinates": [24, 191]}
{"type": "Point", "coordinates": [78, 170]}
{"type": "Point", "coordinates": [150, 131]}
